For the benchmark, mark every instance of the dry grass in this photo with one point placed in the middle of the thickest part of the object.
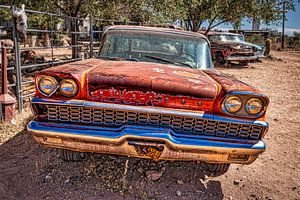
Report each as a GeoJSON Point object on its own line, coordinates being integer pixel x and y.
{"type": "Point", "coordinates": [9, 130]}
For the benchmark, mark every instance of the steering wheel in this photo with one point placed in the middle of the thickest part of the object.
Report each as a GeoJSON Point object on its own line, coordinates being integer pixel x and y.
{"type": "Point", "coordinates": [191, 57]}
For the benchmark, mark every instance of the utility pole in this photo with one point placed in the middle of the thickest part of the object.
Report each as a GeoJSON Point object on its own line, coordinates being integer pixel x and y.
{"type": "Point", "coordinates": [283, 23]}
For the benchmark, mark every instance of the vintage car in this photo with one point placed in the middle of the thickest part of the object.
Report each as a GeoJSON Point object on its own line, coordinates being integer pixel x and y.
{"type": "Point", "coordinates": [230, 47]}
{"type": "Point", "coordinates": [150, 93]}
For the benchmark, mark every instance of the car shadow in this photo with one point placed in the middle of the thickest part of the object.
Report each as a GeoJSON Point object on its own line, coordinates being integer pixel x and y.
{"type": "Point", "coordinates": [231, 65]}
{"type": "Point", "coordinates": [30, 171]}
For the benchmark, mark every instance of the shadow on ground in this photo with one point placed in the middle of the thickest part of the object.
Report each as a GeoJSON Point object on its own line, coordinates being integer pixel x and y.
{"type": "Point", "coordinates": [30, 171]}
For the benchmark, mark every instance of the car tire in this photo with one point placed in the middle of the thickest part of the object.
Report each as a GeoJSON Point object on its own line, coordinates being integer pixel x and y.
{"type": "Point", "coordinates": [220, 58]}
{"type": "Point", "coordinates": [215, 168]}
{"type": "Point", "coordinates": [71, 156]}
{"type": "Point", "coordinates": [244, 63]}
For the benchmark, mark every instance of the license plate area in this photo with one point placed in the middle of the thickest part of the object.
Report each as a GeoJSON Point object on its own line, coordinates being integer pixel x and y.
{"type": "Point", "coordinates": [151, 150]}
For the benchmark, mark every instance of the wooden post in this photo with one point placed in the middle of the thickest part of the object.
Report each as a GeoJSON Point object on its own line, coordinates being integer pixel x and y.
{"type": "Point", "coordinates": [4, 88]}
{"type": "Point", "coordinates": [7, 102]}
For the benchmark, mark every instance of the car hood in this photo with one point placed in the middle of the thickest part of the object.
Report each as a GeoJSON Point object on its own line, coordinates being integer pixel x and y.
{"type": "Point", "coordinates": [252, 45]}
{"type": "Point", "coordinates": [236, 43]}
{"type": "Point", "coordinates": [161, 78]}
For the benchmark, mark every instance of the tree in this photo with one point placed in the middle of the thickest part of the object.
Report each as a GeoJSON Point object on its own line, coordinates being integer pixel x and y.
{"type": "Point", "coordinates": [215, 12]}
{"type": "Point", "coordinates": [270, 11]}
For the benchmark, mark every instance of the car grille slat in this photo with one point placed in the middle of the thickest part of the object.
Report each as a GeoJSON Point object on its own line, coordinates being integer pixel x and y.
{"type": "Point", "coordinates": [180, 124]}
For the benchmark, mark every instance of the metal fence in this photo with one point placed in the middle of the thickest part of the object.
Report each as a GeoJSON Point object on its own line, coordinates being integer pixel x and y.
{"type": "Point", "coordinates": [80, 39]}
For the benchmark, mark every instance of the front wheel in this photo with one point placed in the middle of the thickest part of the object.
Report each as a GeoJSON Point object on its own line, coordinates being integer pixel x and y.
{"type": "Point", "coordinates": [220, 58]}
{"type": "Point", "coordinates": [215, 168]}
{"type": "Point", "coordinates": [72, 156]}
{"type": "Point", "coordinates": [244, 63]}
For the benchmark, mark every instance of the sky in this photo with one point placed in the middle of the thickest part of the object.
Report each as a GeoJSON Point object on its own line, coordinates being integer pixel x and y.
{"type": "Point", "coordinates": [292, 24]}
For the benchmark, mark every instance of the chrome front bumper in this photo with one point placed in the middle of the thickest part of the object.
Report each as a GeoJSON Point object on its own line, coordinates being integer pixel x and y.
{"type": "Point", "coordinates": [122, 141]}
{"type": "Point", "coordinates": [241, 58]}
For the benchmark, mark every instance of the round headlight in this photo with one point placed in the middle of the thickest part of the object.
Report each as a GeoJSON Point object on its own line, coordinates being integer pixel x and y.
{"type": "Point", "coordinates": [47, 85]}
{"type": "Point", "coordinates": [254, 106]}
{"type": "Point", "coordinates": [68, 87]}
{"type": "Point", "coordinates": [233, 104]}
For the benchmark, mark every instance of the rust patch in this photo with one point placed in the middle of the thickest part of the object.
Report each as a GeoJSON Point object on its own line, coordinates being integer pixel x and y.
{"type": "Point", "coordinates": [151, 76]}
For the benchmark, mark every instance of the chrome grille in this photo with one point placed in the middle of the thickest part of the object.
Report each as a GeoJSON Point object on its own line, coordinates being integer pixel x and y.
{"type": "Point", "coordinates": [180, 124]}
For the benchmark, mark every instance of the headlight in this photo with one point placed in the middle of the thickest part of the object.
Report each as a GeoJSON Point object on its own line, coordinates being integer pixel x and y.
{"type": "Point", "coordinates": [47, 85]}
{"type": "Point", "coordinates": [68, 87]}
{"type": "Point", "coordinates": [233, 104]}
{"type": "Point", "coordinates": [254, 106]}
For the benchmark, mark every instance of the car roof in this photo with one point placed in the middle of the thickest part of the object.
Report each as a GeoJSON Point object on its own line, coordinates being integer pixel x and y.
{"type": "Point", "coordinates": [157, 30]}
{"type": "Point", "coordinates": [222, 33]}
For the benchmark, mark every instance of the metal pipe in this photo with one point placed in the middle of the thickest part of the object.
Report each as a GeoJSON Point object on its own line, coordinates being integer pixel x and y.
{"type": "Point", "coordinates": [18, 65]}
{"type": "Point", "coordinates": [283, 24]}
{"type": "Point", "coordinates": [76, 54]}
{"type": "Point", "coordinates": [47, 47]}
{"type": "Point", "coordinates": [54, 31]}
{"type": "Point", "coordinates": [52, 40]}
{"type": "Point", "coordinates": [49, 63]}
{"type": "Point", "coordinates": [28, 95]}
{"type": "Point", "coordinates": [91, 38]}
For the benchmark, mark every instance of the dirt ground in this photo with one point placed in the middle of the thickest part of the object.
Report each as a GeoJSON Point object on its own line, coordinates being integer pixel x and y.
{"type": "Point", "coordinates": [30, 171]}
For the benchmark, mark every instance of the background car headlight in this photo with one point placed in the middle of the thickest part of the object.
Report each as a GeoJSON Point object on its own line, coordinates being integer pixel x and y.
{"type": "Point", "coordinates": [68, 87]}
{"type": "Point", "coordinates": [254, 106]}
{"type": "Point", "coordinates": [47, 85]}
{"type": "Point", "coordinates": [233, 104]}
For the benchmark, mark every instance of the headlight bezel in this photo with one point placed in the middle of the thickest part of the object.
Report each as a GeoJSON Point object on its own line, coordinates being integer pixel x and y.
{"type": "Point", "coordinates": [73, 82]}
{"type": "Point", "coordinates": [245, 97]}
{"type": "Point", "coordinates": [40, 78]}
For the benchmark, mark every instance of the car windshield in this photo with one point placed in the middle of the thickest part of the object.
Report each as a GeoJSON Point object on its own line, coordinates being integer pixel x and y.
{"type": "Point", "coordinates": [237, 38]}
{"type": "Point", "coordinates": [168, 48]}
{"type": "Point", "coordinates": [226, 38]}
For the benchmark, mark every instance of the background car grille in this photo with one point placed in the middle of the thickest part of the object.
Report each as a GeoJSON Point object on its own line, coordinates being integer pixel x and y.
{"type": "Point", "coordinates": [180, 124]}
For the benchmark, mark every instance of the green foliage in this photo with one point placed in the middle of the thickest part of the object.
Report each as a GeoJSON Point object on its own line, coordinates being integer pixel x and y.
{"type": "Point", "coordinates": [192, 12]}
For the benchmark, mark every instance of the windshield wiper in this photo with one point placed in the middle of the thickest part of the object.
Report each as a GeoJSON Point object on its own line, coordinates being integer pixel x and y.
{"type": "Point", "coordinates": [119, 58]}
{"type": "Point", "coordinates": [169, 61]}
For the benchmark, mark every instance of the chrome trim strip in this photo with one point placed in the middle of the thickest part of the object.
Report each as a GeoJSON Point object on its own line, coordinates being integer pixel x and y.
{"type": "Point", "coordinates": [148, 109]}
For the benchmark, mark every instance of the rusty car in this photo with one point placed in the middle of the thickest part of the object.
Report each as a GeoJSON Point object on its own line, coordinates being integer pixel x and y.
{"type": "Point", "coordinates": [150, 93]}
{"type": "Point", "coordinates": [231, 47]}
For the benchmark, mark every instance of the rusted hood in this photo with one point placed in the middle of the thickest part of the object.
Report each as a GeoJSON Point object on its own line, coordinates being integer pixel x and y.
{"type": "Point", "coordinates": [151, 77]}
{"type": "Point", "coordinates": [230, 83]}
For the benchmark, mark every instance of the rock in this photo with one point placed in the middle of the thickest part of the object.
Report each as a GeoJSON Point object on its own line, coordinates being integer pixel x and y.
{"type": "Point", "coordinates": [47, 177]}
{"type": "Point", "coordinates": [140, 170]}
{"type": "Point", "coordinates": [154, 175]}
{"type": "Point", "coordinates": [205, 177]}
{"type": "Point", "coordinates": [180, 182]}
{"type": "Point", "coordinates": [236, 182]}
{"type": "Point", "coordinates": [178, 193]}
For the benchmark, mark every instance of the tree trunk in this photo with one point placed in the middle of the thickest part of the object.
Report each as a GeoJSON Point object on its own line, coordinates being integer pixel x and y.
{"type": "Point", "coordinates": [74, 28]}
{"type": "Point", "coordinates": [255, 24]}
